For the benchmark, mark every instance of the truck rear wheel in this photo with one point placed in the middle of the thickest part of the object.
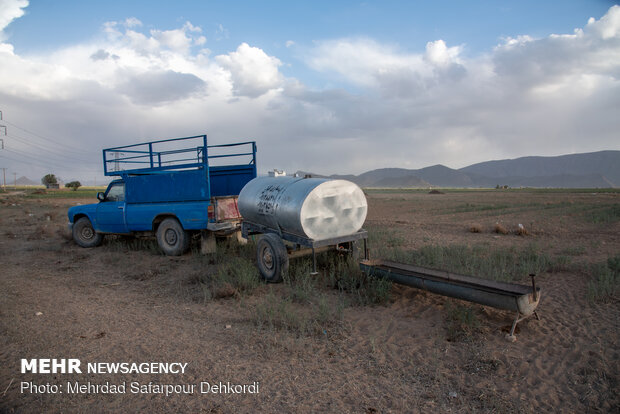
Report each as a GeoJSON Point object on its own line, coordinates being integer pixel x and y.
{"type": "Point", "coordinates": [84, 234]}
{"type": "Point", "coordinates": [171, 238]}
{"type": "Point", "coordinates": [272, 258]}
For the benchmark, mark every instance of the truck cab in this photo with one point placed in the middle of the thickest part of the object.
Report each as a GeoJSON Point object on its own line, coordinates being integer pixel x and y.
{"type": "Point", "coordinates": [179, 193]}
{"type": "Point", "coordinates": [110, 212]}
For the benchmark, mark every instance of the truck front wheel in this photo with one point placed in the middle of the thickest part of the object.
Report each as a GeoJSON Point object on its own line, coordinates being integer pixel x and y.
{"type": "Point", "coordinates": [171, 237]}
{"type": "Point", "coordinates": [85, 235]}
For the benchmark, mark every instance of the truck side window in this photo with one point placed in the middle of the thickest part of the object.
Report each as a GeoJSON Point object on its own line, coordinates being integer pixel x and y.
{"type": "Point", "coordinates": [116, 192]}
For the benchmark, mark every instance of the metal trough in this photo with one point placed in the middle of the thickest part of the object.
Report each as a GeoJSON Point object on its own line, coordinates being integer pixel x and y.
{"type": "Point", "coordinates": [510, 296]}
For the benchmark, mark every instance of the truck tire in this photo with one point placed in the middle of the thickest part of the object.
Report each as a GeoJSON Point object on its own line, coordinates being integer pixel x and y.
{"type": "Point", "coordinates": [84, 234]}
{"type": "Point", "coordinates": [272, 258]}
{"type": "Point", "coordinates": [171, 238]}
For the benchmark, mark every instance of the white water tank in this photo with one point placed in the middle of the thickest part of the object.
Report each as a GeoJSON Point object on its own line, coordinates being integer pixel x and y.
{"type": "Point", "coordinates": [316, 208]}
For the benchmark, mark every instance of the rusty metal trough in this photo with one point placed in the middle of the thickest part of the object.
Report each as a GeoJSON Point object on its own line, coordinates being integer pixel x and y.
{"type": "Point", "coordinates": [509, 296]}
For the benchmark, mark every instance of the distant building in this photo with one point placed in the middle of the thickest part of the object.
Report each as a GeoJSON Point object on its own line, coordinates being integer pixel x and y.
{"type": "Point", "coordinates": [277, 173]}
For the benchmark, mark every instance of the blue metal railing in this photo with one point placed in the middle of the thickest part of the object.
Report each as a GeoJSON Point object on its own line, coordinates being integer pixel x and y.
{"type": "Point", "coordinates": [164, 155]}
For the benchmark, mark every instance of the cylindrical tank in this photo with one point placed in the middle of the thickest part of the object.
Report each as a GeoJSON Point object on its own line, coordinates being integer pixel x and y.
{"type": "Point", "coordinates": [316, 208]}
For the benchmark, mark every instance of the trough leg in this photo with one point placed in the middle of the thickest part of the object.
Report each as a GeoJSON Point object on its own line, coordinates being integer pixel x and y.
{"type": "Point", "coordinates": [511, 336]}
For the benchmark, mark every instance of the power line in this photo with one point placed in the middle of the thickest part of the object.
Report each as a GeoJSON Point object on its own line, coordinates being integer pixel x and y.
{"type": "Point", "coordinates": [48, 145]}
{"type": "Point", "coordinates": [52, 150]}
{"type": "Point", "coordinates": [38, 135]}
{"type": "Point", "coordinates": [47, 163]}
{"type": "Point", "coordinates": [53, 157]}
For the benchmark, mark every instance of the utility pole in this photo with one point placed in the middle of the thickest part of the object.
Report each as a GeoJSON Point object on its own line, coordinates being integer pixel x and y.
{"type": "Point", "coordinates": [15, 180]}
{"type": "Point", "coordinates": [2, 126]}
{"type": "Point", "coordinates": [2, 147]}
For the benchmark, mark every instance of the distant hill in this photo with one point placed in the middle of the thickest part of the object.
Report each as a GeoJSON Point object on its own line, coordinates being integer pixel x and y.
{"type": "Point", "coordinates": [26, 181]}
{"type": "Point", "coordinates": [589, 170]}
{"type": "Point", "coordinates": [603, 163]}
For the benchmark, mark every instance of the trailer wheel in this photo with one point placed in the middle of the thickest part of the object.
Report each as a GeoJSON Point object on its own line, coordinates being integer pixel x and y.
{"type": "Point", "coordinates": [85, 235]}
{"type": "Point", "coordinates": [171, 238]}
{"type": "Point", "coordinates": [272, 258]}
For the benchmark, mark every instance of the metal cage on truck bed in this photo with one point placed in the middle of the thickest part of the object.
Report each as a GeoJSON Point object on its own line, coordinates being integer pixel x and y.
{"type": "Point", "coordinates": [197, 171]}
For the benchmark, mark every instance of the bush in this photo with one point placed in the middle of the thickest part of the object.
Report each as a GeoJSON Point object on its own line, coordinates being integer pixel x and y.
{"type": "Point", "coordinates": [503, 264]}
{"type": "Point", "coordinates": [49, 179]}
{"type": "Point", "coordinates": [233, 278]}
{"type": "Point", "coordinates": [74, 185]}
{"type": "Point", "coordinates": [605, 283]}
{"type": "Point", "coordinates": [461, 322]}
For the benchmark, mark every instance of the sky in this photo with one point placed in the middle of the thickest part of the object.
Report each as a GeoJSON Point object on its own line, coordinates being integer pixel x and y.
{"type": "Point", "coordinates": [329, 87]}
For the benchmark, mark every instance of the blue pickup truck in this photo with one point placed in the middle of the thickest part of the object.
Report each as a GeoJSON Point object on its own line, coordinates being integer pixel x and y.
{"type": "Point", "coordinates": [172, 188]}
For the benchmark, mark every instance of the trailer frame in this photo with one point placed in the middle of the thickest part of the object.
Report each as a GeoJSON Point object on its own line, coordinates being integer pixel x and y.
{"type": "Point", "coordinates": [303, 246]}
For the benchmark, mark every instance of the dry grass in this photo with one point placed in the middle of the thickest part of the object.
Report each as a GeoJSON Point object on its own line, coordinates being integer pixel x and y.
{"type": "Point", "coordinates": [521, 231]}
{"type": "Point", "coordinates": [418, 352]}
{"type": "Point", "coordinates": [475, 228]}
{"type": "Point", "coordinates": [499, 229]}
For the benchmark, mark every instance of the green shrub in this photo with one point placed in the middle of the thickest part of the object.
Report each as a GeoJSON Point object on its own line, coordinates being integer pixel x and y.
{"type": "Point", "coordinates": [235, 276]}
{"type": "Point", "coordinates": [74, 185]}
{"type": "Point", "coordinates": [605, 283]}
{"type": "Point", "coordinates": [319, 317]}
{"type": "Point", "coordinates": [461, 321]}
{"type": "Point", "coordinates": [362, 289]}
{"type": "Point", "coordinates": [504, 264]}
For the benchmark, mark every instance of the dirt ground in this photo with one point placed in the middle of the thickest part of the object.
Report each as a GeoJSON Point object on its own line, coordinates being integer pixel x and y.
{"type": "Point", "coordinates": [117, 303]}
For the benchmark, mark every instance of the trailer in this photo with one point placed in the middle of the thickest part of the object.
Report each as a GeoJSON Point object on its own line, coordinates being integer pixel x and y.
{"type": "Point", "coordinates": [301, 216]}
{"type": "Point", "coordinates": [273, 254]}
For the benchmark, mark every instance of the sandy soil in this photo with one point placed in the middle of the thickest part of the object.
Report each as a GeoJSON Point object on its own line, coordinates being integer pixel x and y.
{"type": "Point", "coordinates": [117, 304]}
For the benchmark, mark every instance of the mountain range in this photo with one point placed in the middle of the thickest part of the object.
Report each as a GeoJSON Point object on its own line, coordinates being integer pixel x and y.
{"type": "Point", "coordinates": [587, 170]}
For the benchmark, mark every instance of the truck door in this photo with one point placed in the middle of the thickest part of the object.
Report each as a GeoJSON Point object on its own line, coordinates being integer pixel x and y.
{"type": "Point", "coordinates": [111, 211]}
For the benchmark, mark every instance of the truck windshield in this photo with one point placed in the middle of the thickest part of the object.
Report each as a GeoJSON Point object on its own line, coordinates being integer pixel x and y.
{"type": "Point", "coordinates": [116, 192]}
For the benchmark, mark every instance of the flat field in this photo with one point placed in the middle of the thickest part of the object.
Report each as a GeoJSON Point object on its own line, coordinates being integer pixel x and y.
{"type": "Point", "coordinates": [336, 342]}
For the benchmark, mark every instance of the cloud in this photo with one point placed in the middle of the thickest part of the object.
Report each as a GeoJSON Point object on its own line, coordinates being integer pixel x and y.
{"type": "Point", "coordinates": [378, 105]}
{"type": "Point", "coordinates": [608, 26]}
{"type": "Point", "coordinates": [132, 22]}
{"type": "Point", "coordinates": [9, 11]}
{"type": "Point", "coordinates": [221, 32]}
{"type": "Point", "coordinates": [103, 55]}
{"type": "Point", "coordinates": [155, 88]}
{"type": "Point", "coordinates": [252, 71]}
{"type": "Point", "coordinates": [367, 63]}
{"type": "Point", "coordinates": [180, 39]}
{"type": "Point", "coordinates": [437, 53]}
